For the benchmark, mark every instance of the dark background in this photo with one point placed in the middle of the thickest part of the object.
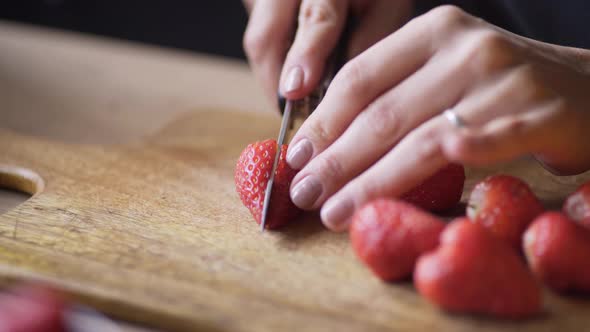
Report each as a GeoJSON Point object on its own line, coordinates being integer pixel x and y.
{"type": "Point", "coordinates": [207, 26]}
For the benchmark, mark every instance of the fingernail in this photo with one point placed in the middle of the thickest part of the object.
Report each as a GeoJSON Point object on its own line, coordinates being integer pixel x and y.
{"type": "Point", "coordinates": [306, 192]}
{"type": "Point", "coordinates": [294, 79]}
{"type": "Point", "coordinates": [336, 213]}
{"type": "Point", "coordinates": [299, 154]}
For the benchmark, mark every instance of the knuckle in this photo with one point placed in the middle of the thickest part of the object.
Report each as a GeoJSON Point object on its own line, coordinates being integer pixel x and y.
{"type": "Point", "coordinates": [528, 85]}
{"type": "Point", "coordinates": [317, 12]}
{"type": "Point", "coordinates": [365, 188]}
{"type": "Point", "coordinates": [446, 19]}
{"type": "Point", "coordinates": [320, 133]}
{"type": "Point", "coordinates": [429, 146]}
{"type": "Point", "coordinates": [381, 120]}
{"type": "Point", "coordinates": [488, 52]}
{"type": "Point", "coordinates": [254, 43]}
{"type": "Point", "coordinates": [351, 79]}
{"type": "Point", "coordinates": [517, 126]}
{"type": "Point", "coordinates": [330, 167]}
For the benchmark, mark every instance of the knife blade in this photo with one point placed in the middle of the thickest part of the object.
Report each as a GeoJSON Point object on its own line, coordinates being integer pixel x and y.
{"type": "Point", "coordinates": [280, 140]}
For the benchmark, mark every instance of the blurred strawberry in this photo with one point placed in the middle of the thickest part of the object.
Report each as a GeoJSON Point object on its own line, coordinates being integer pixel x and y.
{"type": "Point", "coordinates": [388, 236]}
{"type": "Point", "coordinates": [505, 205]}
{"type": "Point", "coordinates": [558, 251]}
{"type": "Point", "coordinates": [31, 309]}
{"type": "Point", "coordinates": [440, 192]}
{"type": "Point", "coordinates": [474, 272]}
{"type": "Point", "coordinates": [577, 205]}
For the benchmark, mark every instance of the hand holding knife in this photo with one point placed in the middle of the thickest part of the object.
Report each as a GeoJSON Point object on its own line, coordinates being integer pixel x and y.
{"type": "Point", "coordinates": [302, 108]}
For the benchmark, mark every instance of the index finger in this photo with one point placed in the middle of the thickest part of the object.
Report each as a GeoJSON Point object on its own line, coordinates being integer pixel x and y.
{"type": "Point", "coordinates": [358, 83]}
{"type": "Point", "coordinates": [267, 38]}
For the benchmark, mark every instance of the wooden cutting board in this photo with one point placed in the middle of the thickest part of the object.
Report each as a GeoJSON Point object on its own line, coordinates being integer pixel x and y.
{"type": "Point", "coordinates": [154, 233]}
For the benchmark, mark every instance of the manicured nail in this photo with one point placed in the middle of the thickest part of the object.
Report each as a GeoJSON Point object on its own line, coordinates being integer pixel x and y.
{"type": "Point", "coordinates": [336, 214]}
{"type": "Point", "coordinates": [299, 154]}
{"type": "Point", "coordinates": [294, 79]}
{"type": "Point", "coordinates": [306, 192]}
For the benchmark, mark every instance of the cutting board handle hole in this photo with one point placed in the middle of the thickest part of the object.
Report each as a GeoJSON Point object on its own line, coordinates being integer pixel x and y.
{"type": "Point", "coordinates": [20, 180]}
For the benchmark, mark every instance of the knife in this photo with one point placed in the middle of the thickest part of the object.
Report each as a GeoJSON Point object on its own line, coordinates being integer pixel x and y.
{"type": "Point", "coordinates": [299, 108]}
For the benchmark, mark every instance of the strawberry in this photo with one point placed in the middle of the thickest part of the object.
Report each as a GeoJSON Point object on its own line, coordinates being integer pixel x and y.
{"type": "Point", "coordinates": [577, 205]}
{"type": "Point", "coordinates": [32, 309]}
{"type": "Point", "coordinates": [505, 205]}
{"type": "Point", "coordinates": [474, 272]}
{"type": "Point", "coordinates": [558, 251]}
{"type": "Point", "coordinates": [251, 177]}
{"type": "Point", "coordinates": [440, 192]}
{"type": "Point", "coordinates": [388, 236]}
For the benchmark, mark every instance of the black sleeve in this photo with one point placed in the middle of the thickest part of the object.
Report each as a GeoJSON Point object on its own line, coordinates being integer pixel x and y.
{"type": "Point", "coordinates": [558, 22]}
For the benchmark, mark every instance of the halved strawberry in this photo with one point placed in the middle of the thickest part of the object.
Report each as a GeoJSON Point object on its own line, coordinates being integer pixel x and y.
{"type": "Point", "coordinates": [251, 177]}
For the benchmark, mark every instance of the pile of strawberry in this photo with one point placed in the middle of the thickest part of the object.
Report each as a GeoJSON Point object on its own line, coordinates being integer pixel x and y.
{"type": "Point", "coordinates": [475, 264]}
{"type": "Point", "coordinates": [492, 261]}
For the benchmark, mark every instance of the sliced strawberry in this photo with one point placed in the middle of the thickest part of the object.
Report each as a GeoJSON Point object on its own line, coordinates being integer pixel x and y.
{"type": "Point", "coordinates": [251, 178]}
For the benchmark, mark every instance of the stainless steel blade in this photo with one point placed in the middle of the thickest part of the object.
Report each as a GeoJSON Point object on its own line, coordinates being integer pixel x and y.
{"type": "Point", "coordinates": [280, 141]}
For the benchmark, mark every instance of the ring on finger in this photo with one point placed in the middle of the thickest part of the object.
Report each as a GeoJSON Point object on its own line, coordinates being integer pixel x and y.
{"type": "Point", "coordinates": [454, 118]}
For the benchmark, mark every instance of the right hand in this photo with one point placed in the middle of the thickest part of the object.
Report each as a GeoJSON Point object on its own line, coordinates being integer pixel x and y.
{"type": "Point", "coordinates": [298, 65]}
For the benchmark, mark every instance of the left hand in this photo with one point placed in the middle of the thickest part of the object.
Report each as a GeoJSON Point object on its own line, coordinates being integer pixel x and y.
{"type": "Point", "coordinates": [379, 130]}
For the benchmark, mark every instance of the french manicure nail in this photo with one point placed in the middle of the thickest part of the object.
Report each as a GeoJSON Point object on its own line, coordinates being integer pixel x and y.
{"type": "Point", "coordinates": [306, 192]}
{"type": "Point", "coordinates": [294, 79]}
{"type": "Point", "coordinates": [299, 154]}
{"type": "Point", "coordinates": [336, 213]}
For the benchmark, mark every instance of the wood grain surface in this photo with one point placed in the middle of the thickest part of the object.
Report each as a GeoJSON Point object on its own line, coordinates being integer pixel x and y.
{"type": "Point", "coordinates": [134, 210]}
{"type": "Point", "coordinates": [154, 232]}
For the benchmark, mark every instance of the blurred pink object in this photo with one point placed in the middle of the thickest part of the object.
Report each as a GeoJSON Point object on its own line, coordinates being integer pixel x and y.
{"type": "Point", "coordinates": [31, 308]}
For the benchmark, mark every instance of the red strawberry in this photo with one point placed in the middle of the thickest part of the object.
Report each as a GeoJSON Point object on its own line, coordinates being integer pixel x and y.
{"type": "Point", "coordinates": [474, 272]}
{"type": "Point", "coordinates": [31, 309]}
{"type": "Point", "coordinates": [251, 177]}
{"type": "Point", "coordinates": [577, 205]}
{"type": "Point", "coordinates": [558, 251]}
{"type": "Point", "coordinates": [504, 205]}
{"type": "Point", "coordinates": [440, 192]}
{"type": "Point", "coordinates": [388, 236]}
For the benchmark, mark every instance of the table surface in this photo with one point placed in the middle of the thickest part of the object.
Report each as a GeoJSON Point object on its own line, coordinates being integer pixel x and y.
{"type": "Point", "coordinates": [87, 89]}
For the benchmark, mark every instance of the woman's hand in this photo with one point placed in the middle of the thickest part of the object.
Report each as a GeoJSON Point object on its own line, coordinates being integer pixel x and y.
{"type": "Point", "coordinates": [379, 131]}
{"type": "Point", "coordinates": [318, 25]}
